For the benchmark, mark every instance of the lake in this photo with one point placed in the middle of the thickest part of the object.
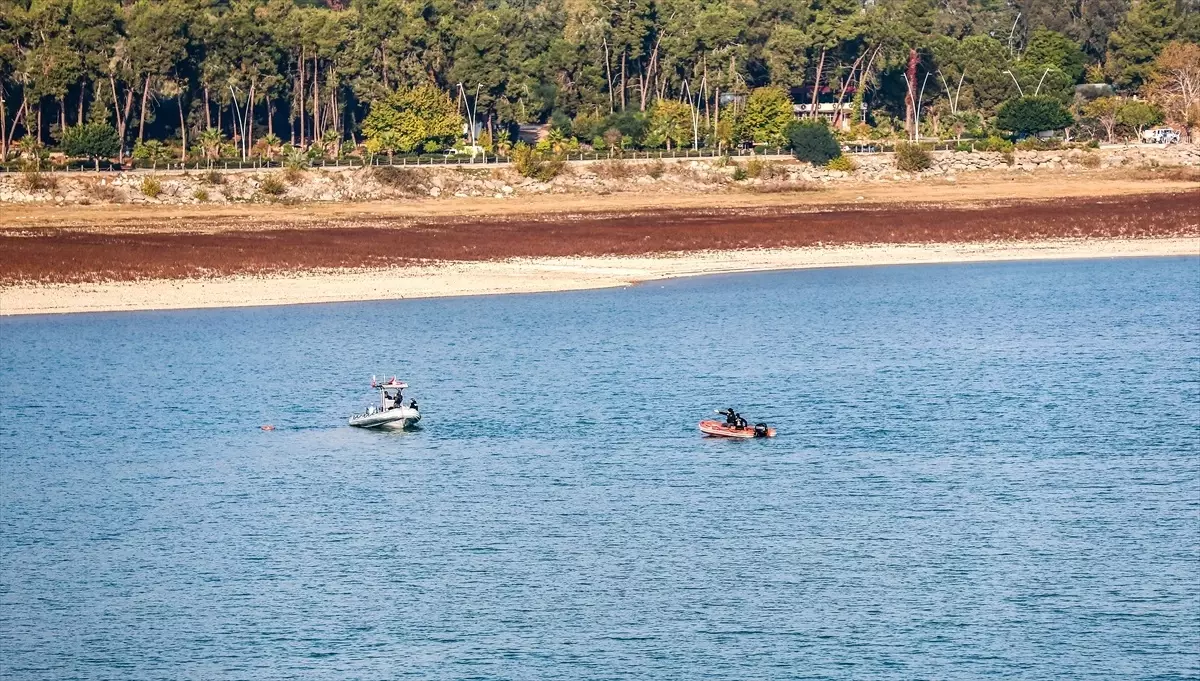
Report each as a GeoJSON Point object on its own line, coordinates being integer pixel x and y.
{"type": "Point", "coordinates": [983, 470]}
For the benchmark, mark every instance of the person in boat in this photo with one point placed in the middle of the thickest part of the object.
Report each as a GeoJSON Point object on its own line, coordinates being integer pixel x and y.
{"type": "Point", "coordinates": [734, 419]}
{"type": "Point", "coordinates": [412, 404]}
{"type": "Point", "coordinates": [395, 400]}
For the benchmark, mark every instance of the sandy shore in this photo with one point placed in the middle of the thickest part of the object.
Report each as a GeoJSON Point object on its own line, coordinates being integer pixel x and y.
{"type": "Point", "coordinates": [528, 275]}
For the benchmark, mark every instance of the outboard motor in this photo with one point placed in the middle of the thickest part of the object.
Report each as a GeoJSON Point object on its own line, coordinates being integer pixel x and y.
{"type": "Point", "coordinates": [760, 430]}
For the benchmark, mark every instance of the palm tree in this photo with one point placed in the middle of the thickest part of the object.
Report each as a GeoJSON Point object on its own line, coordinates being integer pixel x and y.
{"type": "Point", "coordinates": [211, 141]}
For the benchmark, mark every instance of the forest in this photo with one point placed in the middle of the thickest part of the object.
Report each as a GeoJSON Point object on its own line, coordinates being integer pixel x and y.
{"type": "Point", "coordinates": [243, 78]}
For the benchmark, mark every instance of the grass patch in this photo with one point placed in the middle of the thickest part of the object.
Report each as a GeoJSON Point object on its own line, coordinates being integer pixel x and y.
{"type": "Point", "coordinates": [212, 177]}
{"type": "Point", "coordinates": [656, 168]}
{"type": "Point", "coordinates": [1089, 161]}
{"type": "Point", "coordinates": [200, 195]}
{"type": "Point", "coordinates": [785, 187]}
{"type": "Point", "coordinates": [1170, 173]}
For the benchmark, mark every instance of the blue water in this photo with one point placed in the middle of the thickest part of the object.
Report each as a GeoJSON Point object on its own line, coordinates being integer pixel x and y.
{"type": "Point", "coordinates": [986, 470]}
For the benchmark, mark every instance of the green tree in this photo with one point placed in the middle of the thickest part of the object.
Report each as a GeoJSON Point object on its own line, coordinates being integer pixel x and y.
{"type": "Point", "coordinates": [409, 119]}
{"type": "Point", "coordinates": [93, 141]}
{"type": "Point", "coordinates": [766, 116]}
{"type": "Point", "coordinates": [1138, 115]}
{"type": "Point", "coordinates": [1053, 49]}
{"type": "Point", "coordinates": [1104, 111]}
{"type": "Point", "coordinates": [672, 121]}
{"type": "Point", "coordinates": [1031, 115]}
{"type": "Point", "coordinates": [1148, 26]}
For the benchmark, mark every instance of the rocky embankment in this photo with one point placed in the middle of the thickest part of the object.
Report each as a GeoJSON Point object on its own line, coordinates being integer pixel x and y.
{"type": "Point", "coordinates": [589, 177]}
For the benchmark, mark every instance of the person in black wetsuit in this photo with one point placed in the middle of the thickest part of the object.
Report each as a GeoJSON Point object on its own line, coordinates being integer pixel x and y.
{"type": "Point", "coordinates": [412, 404]}
{"type": "Point", "coordinates": [733, 419]}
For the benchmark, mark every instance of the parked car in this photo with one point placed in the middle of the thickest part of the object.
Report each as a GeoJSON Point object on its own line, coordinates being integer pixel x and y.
{"type": "Point", "coordinates": [1161, 136]}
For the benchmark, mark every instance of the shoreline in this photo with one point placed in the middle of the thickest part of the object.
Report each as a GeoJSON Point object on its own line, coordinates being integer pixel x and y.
{"type": "Point", "coordinates": [542, 274]}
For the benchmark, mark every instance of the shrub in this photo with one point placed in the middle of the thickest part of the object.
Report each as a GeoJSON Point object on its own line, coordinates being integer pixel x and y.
{"type": "Point", "coordinates": [997, 144]}
{"type": "Point", "coordinates": [813, 142]}
{"type": "Point", "coordinates": [293, 174]}
{"type": "Point", "coordinates": [36, 180]}
{"type": "Point", "coordinates": [103, 192]}
{"type": "Point", "coordinates": [151, 187]}
{"type": "Point", "coordinates": [758, 169]}
{"type": "Point", "coordinates": [843, 163]}
{"type": "Point", "coordinates": [964, 147]}
{"type": "Point", "coordinates": [213, 177]}
{"type": "Point", "coordinates": [739, 173]}
{"type": "Point", "coordinates": [656, 169]}
{"type": "Point", "coordinates": [272, 186]}
{"type": "Point", "coordinates": [200, 195]}
{"type": "Point", "coordinates": [912, 157]}
{"type": "Point", "coordinates": [1009, 157]}
{"type": "Point", "coordinates": [1089, 161]}
{"type": "Point", "coordinates": [404, 179]}
{"type": "Point", "coordinates": [613, 170]}
{"type": "Point", "coordinates": [539, 165]}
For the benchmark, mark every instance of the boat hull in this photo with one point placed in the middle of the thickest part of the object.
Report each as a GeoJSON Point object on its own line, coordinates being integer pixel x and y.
{"type": "Point", "coordinates": [720, 429]}
{"type": "Point", "coordinates": [400, 417]}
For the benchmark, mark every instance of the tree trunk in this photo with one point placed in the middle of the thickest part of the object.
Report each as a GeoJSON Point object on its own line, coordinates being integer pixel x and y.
{"type": "Point", "coordinates": [623, 77]}
{"type": "Point", "coordinates": [3, 127]}
{"type": "Point", "coordinates": [248, 127]}
{"type": "Point", "coordinates": [316, 88]}
{"type": "Point", "coordinates": [717, 116]}
{"type": "Point", "coordinates": [207, 109]}
{"type": "Point", "coordinates": [62, 114]}
{"type": "Point", "coordinates": [182, 128]}
{"type": "Point", "coordinates": [38, 106]}
{"type": "Point", "coordinates": [383, 59]}
{"type": "Point", "coordinates": [608, 71]}
{"type": "Point", "coordinates": [817, 86]}
{"type": "Point", "coordinates": [270, 116]}
{"type": "Point", "coordinates": [300, 94]}
{"type": "Point", "coordinates": [837, 112]}
{"type": "Point", "coordinates": [82, 94]}
{"type": "Point", "coordinates": [12, 131]}
{"type": "Point", "coordinates": [910, 97]}
{"type": "Point", "coordinates": [142, 115]}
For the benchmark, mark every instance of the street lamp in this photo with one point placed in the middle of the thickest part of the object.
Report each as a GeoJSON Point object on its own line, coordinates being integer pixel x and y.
{"type": "Point", "coordinates": [1014, 78]}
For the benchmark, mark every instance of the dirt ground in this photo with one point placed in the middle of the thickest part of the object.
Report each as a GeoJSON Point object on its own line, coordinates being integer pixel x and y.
{"type": "Point", "coordinates": [72, 245]}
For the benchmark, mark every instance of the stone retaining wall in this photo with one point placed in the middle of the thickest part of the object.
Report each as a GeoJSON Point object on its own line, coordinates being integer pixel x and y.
{"type": "Point", "coordinates": [669, 176]}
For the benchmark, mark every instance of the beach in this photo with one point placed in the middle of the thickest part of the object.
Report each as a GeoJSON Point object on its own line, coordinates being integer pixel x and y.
{"type": "Point", "coordinates": [76, 259]}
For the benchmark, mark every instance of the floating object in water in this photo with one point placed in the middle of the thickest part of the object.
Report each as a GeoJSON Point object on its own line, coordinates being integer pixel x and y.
{"type": "Point", "coordinates": [719, 429]}
{"type": "Point", "coordinates": [391, 412]}
{"type": "Point", "coordinates": [267, 427]}
{"type": "Point", "coordinates": [735, 426]}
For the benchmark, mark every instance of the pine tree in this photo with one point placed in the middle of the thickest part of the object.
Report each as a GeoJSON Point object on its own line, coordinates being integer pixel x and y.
{"type": "Point", "coordinates": [1149, 26]}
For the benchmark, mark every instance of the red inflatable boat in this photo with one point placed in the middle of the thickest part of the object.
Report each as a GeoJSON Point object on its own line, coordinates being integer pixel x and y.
{"type": "Point", "coordinates": [720, 429]}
